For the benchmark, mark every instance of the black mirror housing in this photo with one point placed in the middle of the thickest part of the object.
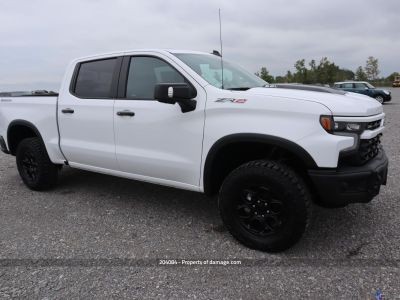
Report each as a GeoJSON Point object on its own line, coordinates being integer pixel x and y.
{"type": "Point", "coordinates": [180, 93]}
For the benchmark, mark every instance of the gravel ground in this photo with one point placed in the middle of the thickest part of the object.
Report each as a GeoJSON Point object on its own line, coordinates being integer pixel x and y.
{"type": "Point", "coordinates": [101, 236]}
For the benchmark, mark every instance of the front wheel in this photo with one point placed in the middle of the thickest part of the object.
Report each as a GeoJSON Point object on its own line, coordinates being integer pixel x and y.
{"type": "Point", "coordinates": [379, 98]}
{"type": "Point", "coordinates": [34, 165]}
{"type": "Point", "coordinates": [265, 205]}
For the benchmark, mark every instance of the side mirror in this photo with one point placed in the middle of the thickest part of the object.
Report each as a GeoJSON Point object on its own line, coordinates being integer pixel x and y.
{"type": "Point", "coordinates": [180, 93]}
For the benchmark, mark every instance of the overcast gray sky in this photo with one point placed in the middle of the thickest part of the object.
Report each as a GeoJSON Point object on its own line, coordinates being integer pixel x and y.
{"type": "Point", "coordinates": [39, 37]}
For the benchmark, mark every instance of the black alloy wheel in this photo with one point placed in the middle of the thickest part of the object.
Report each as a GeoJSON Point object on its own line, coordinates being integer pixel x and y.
{"type": "Point", "coordinates": [265, 205]}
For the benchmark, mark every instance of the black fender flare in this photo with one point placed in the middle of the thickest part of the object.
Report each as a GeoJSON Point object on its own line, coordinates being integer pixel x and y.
{"type": "Point", "coordinates": [271, 140]}
{"type": "Point", "coordinates": [25, 124]}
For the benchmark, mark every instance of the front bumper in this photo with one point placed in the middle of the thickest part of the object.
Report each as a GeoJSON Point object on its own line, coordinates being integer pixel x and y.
{"type": "Point", "coordinates": [349, 184]}
{"type": "Point", "coordinates": [387, 98]}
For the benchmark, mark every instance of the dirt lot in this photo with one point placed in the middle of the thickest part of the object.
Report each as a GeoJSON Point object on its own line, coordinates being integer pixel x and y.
{"type": "Point", "coordinates": [100, 236]}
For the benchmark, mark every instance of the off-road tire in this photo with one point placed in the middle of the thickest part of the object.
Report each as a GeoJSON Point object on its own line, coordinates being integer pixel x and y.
{"type": "Point", "coordinates": [32, 158]}
{"type": "Point", "coordinates": [281, 182]}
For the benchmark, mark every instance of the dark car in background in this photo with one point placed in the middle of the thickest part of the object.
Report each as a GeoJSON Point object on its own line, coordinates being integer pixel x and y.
{"type": "Point", "coordinates": [363, 87]}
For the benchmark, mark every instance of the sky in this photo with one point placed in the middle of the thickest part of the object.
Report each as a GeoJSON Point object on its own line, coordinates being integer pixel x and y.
{"type": "Point", "coordinates": [38, 38]}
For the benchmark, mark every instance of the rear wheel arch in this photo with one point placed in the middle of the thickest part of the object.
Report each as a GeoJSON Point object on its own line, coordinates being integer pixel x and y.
{"type": "Point", "coordinates": [19, 130]}
{"type": "Point", "coordinates": [233, 150]}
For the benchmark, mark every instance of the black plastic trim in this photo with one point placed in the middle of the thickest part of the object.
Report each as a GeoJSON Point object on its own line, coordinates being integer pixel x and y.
{"type": "Point", "coordinates": [252, 137]}
{"type": "Point", "coordinates": [351, 184]}
{"type": "Point", "coordinates": [25, 124]}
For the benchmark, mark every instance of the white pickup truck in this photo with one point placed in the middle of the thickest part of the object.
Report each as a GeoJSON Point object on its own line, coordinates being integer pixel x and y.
{"type": "Point", "coordinates": [178, 118]}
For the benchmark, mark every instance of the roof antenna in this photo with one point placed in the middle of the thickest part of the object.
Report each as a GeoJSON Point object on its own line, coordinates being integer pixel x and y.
{"type": "Point", "coordinates": [220, 41]}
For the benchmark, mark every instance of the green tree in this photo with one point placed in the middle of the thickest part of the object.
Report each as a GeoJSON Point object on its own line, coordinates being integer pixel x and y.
{"type": "Point", "coordinates": [326, 71]}
{"type": "Point", "coordinates": [301, 71]}
{"type": "Point", "coordinates": [372, 68]}
{"type": "Point", "coordinates": [344, 74]}
{"type": "Point", "coordinates": [264, 74]}
{"type": "Point", "coordinates": [391, 77]}
{"type": "Point", "coordinates": [360, 74]}
{"type": "Point", "coordinates": [312, 73]}
{"type": "Point", "coordinates": [281, 79]}
{"type": "Point", "coordinates": [289, 77]}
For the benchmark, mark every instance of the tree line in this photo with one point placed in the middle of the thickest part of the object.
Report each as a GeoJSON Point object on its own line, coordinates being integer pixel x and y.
{"type": "Point", "coordinates": [327, 72]}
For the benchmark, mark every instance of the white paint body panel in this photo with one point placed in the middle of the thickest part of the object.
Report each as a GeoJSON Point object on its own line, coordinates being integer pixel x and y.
{"type": "Point", "coordinates": [160, 144]}
{"type": "Point", "coordinates": [41, 112]}
{"type": "Point", "coordinates": [87, 135]}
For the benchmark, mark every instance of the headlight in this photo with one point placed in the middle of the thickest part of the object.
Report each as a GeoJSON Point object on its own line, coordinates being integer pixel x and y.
{"type": "Point", "coordinates": [332, 126]}
{"type": "Point", "coordinates": [347, 126]}
{"type": "Point", "coordinates": [386, 92]}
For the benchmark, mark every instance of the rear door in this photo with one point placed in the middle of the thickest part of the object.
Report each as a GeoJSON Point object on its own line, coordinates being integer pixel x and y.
{"type": "Point", "coordinates": [157, 142]}
{"type": "Point", "coordinates": [86, 114]}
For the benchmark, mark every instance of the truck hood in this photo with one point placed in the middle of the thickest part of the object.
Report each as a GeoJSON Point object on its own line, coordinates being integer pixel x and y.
{"type": "Point", "coordinates": [349, 104]}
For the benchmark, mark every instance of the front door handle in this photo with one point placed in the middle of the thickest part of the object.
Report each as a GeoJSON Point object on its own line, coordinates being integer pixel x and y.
{"type": "Point", "coordinates": [127, 113]}
{"type": "Point", "coordinates": [67, 111]}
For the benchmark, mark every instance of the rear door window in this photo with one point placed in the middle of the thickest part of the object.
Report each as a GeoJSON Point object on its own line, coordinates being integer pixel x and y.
{"type": "Point", "coordinates": [94, 79]}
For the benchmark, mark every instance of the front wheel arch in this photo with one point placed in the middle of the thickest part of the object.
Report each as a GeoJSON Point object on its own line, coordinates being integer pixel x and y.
{"type": "Point", "coordinates": [266, 143]}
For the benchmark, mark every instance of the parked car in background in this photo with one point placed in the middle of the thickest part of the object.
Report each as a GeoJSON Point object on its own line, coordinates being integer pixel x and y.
{"type": "Point", "coordinates": [363, 87]}
{"type": "Point", "coordinates": [396, 81]}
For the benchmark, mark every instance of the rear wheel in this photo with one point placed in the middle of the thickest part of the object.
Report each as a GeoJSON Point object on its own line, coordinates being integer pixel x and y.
{"type": "Point", "coordinates": [265, 205]}
{"type": "Point", "coordinates": [379, 98]}
{"type": "Point", "coordinates": [34, 165]}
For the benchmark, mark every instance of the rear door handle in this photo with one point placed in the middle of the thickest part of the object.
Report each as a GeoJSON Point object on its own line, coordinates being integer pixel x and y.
{"type": "Point", "coordinates": [127, 113]}
{"type": "Point", "coordinates": [67, 111]}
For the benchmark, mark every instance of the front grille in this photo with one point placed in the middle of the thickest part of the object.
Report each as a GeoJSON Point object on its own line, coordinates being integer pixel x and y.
{"type": "Point", "coordinates": [373, 125]}
{"type": "Point", "coordinates": [367, 150]}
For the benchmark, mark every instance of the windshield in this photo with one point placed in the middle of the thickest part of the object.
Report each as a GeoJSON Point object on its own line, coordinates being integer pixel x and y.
{"type": "Point", "coordinates": [209, 68]}
{"type": "Point", "coordinates": [369, 85]}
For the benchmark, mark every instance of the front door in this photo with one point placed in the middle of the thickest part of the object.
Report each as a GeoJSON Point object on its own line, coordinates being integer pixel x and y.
{"type": "Point", "coordinates": [156, 141]}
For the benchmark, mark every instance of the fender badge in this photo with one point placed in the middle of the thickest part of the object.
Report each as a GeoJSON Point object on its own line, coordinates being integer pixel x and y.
{"type": "Point", "coordinates": [232, 100]}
